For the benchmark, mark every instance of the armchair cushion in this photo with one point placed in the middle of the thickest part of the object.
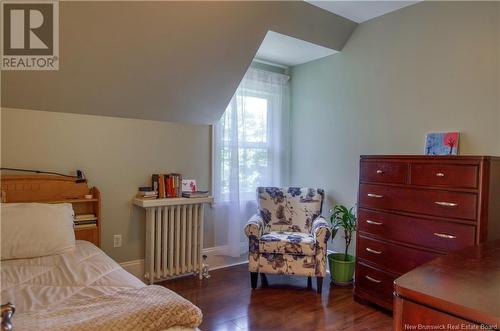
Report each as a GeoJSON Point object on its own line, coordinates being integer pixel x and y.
{"type": "Point", "coordinates": [296, 243]}
{"type": "Point", "coordinates": [285, 264]}
{"type": "Point", "coordinates": [291, 209]}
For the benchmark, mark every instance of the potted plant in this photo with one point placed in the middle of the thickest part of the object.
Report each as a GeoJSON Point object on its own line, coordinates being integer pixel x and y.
{"type": "Point", "coordinates": [342, 264]}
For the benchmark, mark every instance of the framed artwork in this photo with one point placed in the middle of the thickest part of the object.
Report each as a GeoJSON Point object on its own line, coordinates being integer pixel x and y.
{"type": "Point", "coordinates": [442, 143]}
{"type": "Point", "coordinates": [188, 185]}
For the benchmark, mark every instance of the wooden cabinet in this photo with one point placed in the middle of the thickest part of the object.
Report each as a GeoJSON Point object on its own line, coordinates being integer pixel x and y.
{"type": "Point", "coordinates": [416, 315]}
{"type": "Point", "coordinates": [90, 233]}
{"type": "Point", "coordinates": [459, 291]}
{"type": "Point", "coordinates": [412, 209]}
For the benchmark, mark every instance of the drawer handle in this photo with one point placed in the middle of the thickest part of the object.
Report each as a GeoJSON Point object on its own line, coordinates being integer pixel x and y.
{"type": "Point", "coordinates": [373, 222]}
{"type": "Point", "coordinates": [444, 235]}
{"type": "Point", "coordinates": [373, 195]}
{"type": "Point", "coordinates": [371, 279]}
{"type": "Point", "coordinates": [380, 172]}
{"type": "Point", "coordinates": [446, 204]}
{"type": "Point", "coordinates": [440, 174]}
{"type": "Point", "coordinates": [368, 249]}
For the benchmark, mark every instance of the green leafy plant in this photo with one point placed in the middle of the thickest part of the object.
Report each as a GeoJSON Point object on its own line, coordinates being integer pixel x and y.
{"type": "Point", "coordinates": [341, 217]}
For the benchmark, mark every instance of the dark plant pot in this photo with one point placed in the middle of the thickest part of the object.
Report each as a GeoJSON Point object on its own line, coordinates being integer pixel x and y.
{"type": "Point", "coordinates": [341, 271]}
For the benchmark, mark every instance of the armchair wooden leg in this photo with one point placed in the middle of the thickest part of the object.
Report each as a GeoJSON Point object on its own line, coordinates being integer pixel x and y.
{"type": "Point", "coordinates": [309, 283]}
{"type": "Point", "coordinates": [263, 280]}
{"type": "Point", "coordinates": [319, 284]}
{"type": "Point", "coordinates": [253, 279]}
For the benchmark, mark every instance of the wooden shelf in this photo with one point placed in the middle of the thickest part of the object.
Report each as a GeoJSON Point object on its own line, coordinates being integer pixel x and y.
{"type": "Point", "coordinates": [82, 200]}
{"type": "Point", "coordinates": [86, 220]}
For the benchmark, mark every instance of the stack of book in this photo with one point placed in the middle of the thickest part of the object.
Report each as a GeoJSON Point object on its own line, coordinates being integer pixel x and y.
{"type": "Point", "coordinates": [167, 185]}
{"type": "Point", "coordinates": [85, 221]}
{"type": "Point", "coordinates": [195, 194]}
{"type": "Point", "coordinates": [147, 193]}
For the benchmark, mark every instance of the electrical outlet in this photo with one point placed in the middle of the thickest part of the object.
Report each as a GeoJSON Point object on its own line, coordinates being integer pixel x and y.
{"type": "Point", "coordinates": [117, 240]}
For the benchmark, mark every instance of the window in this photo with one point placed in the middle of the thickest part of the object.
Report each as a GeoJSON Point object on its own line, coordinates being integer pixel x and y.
{"type": "Point", "coordinates": [253, 150]}
{"type": "Point", "coordinates": [249, 137]}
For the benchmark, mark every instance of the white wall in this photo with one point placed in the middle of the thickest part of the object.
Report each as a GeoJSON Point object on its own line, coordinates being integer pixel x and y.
{"type": "Point", "coordinates": [433, 66]}
{"type": "Point", "coordinates": [117, 155]}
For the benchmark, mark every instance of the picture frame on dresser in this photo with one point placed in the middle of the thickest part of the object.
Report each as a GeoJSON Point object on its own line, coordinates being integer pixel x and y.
{"type": "Point", "coordinates": [412, 209]}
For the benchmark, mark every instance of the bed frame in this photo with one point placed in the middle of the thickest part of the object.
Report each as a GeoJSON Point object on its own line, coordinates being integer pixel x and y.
{"type": "Point", "coordinates": [51, 189]}
{"type": "Point", "coordinates": [56, 189]}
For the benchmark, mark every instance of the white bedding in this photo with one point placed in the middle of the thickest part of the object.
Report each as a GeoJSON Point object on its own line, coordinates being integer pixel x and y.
{"type": "Point", "coordinates": [49, 282]}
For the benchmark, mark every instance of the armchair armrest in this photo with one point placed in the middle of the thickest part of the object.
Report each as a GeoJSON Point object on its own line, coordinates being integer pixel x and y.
{"type": "Point", "coordinates": [253, 230]}
{"type": "Point", "coordinates": [321, 232]}
{"type": "Point", "coordinates": [254, 226]}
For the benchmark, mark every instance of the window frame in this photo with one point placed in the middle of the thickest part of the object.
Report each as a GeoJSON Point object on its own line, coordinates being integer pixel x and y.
{"type": "Point", "coordinates": [266, 146]}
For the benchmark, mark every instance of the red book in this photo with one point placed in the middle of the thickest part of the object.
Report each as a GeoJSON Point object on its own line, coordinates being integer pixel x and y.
{"type": "Point", "coordinates": [167, 186]}
{"type": "Point", "coordinates": [172, 187]}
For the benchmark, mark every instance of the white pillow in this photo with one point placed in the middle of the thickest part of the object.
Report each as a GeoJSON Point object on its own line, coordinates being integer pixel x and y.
{"type": "Point", "coordinates": [36, 229]}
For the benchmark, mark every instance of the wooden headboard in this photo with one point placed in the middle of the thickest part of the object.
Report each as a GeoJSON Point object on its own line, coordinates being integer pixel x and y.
{"type": "Point", "coordinates": [41, 188]}
{"type": "Point", "coordinates": [57, 189]}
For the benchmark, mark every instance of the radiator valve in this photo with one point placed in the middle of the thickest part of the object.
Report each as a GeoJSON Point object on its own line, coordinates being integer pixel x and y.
{"type": "Point", "coordinates": [205, 267]}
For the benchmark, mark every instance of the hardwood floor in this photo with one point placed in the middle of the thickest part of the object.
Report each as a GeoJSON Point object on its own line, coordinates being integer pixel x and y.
{"type": "Point", "coordinates": [228, 303]}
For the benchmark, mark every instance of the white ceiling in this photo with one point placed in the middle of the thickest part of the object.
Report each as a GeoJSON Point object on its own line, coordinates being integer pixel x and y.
{"type": "Point", "coordinates": [360, 11]}
{"type": "Point", "coordinates": [285, 50]}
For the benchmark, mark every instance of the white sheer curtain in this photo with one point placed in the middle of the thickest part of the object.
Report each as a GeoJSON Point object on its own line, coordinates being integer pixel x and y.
{"type": "Point", "coordinates": [250, 150]}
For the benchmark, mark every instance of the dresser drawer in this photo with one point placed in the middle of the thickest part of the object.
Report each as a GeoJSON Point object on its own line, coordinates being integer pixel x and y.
{"type": "Point", "coordinates": [383, 172]}
{"type": "Point", "coordinates": [374, 282]}
{"type": "Point", "coordinates": [449, 175]}
{"type": "Point", "coordinates": [439, 235]}
{"type": "Point", "coordinates": [430, 202]}
{"type": "Point", "coordinates": [412, 315]}
{"type": "Point", "coordinates": [395, 258]}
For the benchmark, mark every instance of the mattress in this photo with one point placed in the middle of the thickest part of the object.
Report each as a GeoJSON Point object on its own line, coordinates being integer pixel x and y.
{"type": "Point", "coordinates": [50, 282]}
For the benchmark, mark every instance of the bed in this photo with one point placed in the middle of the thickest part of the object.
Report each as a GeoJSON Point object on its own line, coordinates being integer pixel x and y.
{"type": "Point", "coordinates": [82, 288]}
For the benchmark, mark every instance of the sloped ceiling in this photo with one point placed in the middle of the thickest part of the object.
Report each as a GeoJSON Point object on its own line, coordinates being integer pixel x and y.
{"type": "Point", "coordinates": [289, 51]}
{"type": "Point", "coordinates": [173, 61]}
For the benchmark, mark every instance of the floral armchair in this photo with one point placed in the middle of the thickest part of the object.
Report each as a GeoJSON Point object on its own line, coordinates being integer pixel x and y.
{"type": "Point", "coordinates": [288, 235]}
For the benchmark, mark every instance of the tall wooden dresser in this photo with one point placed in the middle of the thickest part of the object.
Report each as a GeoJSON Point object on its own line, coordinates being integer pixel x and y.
{"type": "Point", "coordinates": [414, 208]}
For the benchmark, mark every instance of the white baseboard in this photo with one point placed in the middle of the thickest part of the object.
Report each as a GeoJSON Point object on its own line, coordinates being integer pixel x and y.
{"type": "Point", "coordinates": [215, 260]}
{"type": "Point", "coordinates": [135, 267]}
